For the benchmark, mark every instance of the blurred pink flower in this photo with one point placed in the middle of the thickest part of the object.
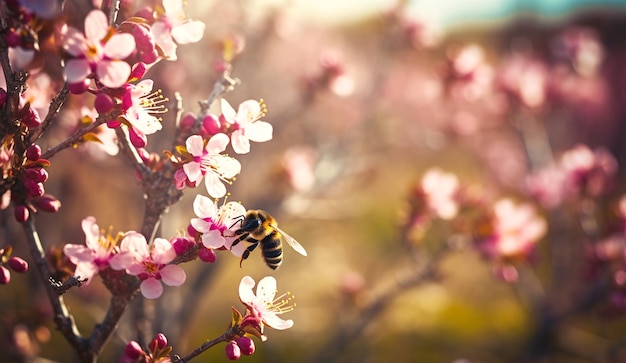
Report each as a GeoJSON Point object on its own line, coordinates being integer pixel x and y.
{"type": "Point", "coordinates": [264, 305]}
{"type": "Point", "coordinates": [149, 263]}
{"type": "Point", "coordinates": [526, 79]}
{"type": "Point", "coordinates": [214, 222]}
{"type": "Point", "coordinates": [298, 163]}
{"type": "Point", "coordinates": [440, 189]}
{"type": "Point", "coordinates": [173, 27]}
{"type": "Point", "coordinates": [94, 255]}
{"type": "Point", "coordinates": [207, 162]}
{"type": "Point", "coordinates": [515, 230]}
{"type": "Point", "coordinates": [246, 124]}
{"type": "Point", "coordinates": [96, 52]}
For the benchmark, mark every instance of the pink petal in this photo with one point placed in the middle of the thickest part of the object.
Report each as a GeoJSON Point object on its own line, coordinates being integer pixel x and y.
{"type": "Point", "coordinates": [121, 261]}
{"type": "Point", "coordinates": [135, 243]}
{"type": "Point", "coordinates": [162, 251]}
{"type": "Point", "coordinates": [277, 323]}
{"type": "Point", "coordinates": [96, 26]}
{"type": "Point", "coordinates": [193, 171]}
{"type": "Point", "coordinates": [217, 143]}
{"type": "Point", "coordinates": [248, 110]}
{"type": "Point", "coordinates": [76, 70]}
{"type": "Point", "coordinates": [201, 225]}
{"type": "Point", "coordinates": [240, 142]}
{"type": "Point", "coordinates": [119, 46]}
{"type": "Point", "coordinates": [78, 253]}
{"type": "Point", "coordinates": [173, 7]}
{"type": "Point", "coordinates": [74, 42]}
{"type": "Point", "coordinates": [92, 232]}
{"type": "Point", "coordinates": [188, 32]}
{"type": "Point", "coordinates": [151, 288]}
{"type": "Point", "coordinates": [195, 145]}
{"type": "Point", "coordinates": [113, 74]}
{"type": "Point", "coordinates": [173, 275]}
{"type": "Point", "coordinates": [86, 270]}
{"type": "Point", "coordinates": [238, 249]}
{"type": "Point", "coordinates": [163, 39]}
{"type": "Point", "coordinates": [213, 239]}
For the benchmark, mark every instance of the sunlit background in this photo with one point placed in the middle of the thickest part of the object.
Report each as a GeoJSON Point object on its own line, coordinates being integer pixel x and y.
{"type": "Point", "coordinates": [365, 97]}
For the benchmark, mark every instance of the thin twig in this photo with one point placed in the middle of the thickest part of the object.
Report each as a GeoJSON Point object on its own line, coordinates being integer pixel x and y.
{"type": "Point", "coordinates": [74, 139]}
{"type": "Point", "coordinates": [227, 336]}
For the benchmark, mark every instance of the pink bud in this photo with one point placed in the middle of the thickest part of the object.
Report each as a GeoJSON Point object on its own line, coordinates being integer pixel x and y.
{"type": "Point", "coordinates": [32, 119]}
{"type": "Point", "coordinates": [181, 245]}
{"type": "Point", "coordinates": [133, 350]}
{"type": "Point", "coordinates": [113, 124]}
{"type": "Point", "coordinates": [79, 87]}
{"type": "Point", "coordinates": [221, 66]}
{"type": "Point", "coordinates": [149, 57]}
{"type": "Point", "coordinates": [139, 70]}
{"type": "Point", "coordinates": [18, 264]}
{"type": "Point", "coordinates": [103, 103]}
{"type": "Point", "coordinates": [21, 213]}
{"type": "Point", "coordinates": [37, 174]}
{"type": "Point", "coordinates": [210, 126]}
{"type": "Point", "coordinates": [5, 275]}
{"type": "Point", "coordinates": [143, 154]}
{"type": "Point", "coordinates": [159, 341]}
{"type": "Point", "coordinates": [47, 203]}
{"type": "Point", "coordinates": [33, 188]}
{"type": "Point", "coordinates": [207, 255]}
{"type": "Point", "coordinates": [187, 121]}
{"type": "Point", "coordinates": [246, 345]}
{"type": "Point", "coordinates": [232, 350]}
{"type": "Point", "coordinates": [13, 38]}
{"type": "Point", "coordinates": [145, 13]}
{"type": "Point", "coordinates": [137, 138]}
{"type": "Point", "coordinates": [33, 153]}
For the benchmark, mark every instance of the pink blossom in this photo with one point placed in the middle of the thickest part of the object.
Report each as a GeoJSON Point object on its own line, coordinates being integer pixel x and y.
{"type": "Point", "coordinates": [140, 104]}
{"type": "Point", "coordinates": [149, 262]}
{"type": "Point", "coordinates": [214, 223]}
{"type": "Point", "coordinates": [93, 257]}
{"type": "Point", "coordinates": [207, 162]}
{"type": "Point", "coordinates": [246, 124]}
{"type": "Point", "coordinates": [264, 305]}
{"type": "Point", "coordinates": [173, 27]}
{"type": "Point", "coordinates": [97, 53]}
{"type": "Point", "coordinates": [516, 230]}
{"type": "Point", "coordinates": [441, 190]}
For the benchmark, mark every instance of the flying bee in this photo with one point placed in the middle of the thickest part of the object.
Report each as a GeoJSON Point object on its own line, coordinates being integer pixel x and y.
{"type": "Point", "coordinates": [259, 227]}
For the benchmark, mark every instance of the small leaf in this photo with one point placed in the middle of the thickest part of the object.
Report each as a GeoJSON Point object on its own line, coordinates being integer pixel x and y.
{"type": "Point", "coordinates": [93, 137]}
{"type": "Point", "coordinates": [237, 317]}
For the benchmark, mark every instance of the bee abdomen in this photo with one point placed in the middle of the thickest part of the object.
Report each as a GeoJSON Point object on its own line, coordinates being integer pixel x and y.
{"type": "Point", "coordinates": [272, 251]}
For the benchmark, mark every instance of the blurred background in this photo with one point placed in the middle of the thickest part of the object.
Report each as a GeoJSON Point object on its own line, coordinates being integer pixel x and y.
{"type": "Point", "coordinates": [506, 100]}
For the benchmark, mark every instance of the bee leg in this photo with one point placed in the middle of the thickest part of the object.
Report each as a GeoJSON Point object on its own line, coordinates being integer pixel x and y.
{"type": "Point", "coordinates": [239, 239]}
{"type": "Point", "coordinates": [246, 252]}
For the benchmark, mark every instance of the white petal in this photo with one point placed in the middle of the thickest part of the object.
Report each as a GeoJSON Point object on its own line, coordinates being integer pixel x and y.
{"type": "Point", "coordinates": [119, 46]}
{"type": "Point", "coordinates": [266, 289]}
{"type": "Point", "coordinates": [92, 232]}
{"type": "Point", "coordinates": [277, 323]}
{"type": "Point", "coordinates": [74, 42]}
{"type": "Point", "coordinates": [151, 288]}
{"type": "Point", "coordinates": [86, 270]}
{"type": "Point", "coordinates": [163, 39]}
{"type": "Point", "coordinates": [214, 186]}
{"type": "Point", "coordinates": [217, 143]}
{"type": "Point", "coordinates": [173, 275]}
{"type": "Point", "coordinates": [78, 253]}
{"type": "Point", "coordinates": [259, 131]}
{"type": "Point", "coordinates": [248, 110]}
{"type": "Point", "coordinates": [173, 7]}
{"type": "Point", "coordinates": [240, 142]}
{"type": "Point", "coordinates": [204, 207]}
{"type": "Point", "coordinates": [213, 239]}
{"type": "Point", "coordinates": [245, 289]}
{"type": "Point", "coordinates": [228, 111]}
{"type": "Point", "coordinates": [227, 166]}
{"type": "Point", "coordinates": [162, 251]}
{"type": "Point", "coordinates": [188, 32]}
{"type": "Point", "coordinates": [201, 225]}
{"type": "Point", "coordinates": [193, 171]}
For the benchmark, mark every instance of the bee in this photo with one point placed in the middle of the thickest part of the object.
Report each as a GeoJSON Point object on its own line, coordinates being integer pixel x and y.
{"type": "Point", "coordinates": [259, 227]}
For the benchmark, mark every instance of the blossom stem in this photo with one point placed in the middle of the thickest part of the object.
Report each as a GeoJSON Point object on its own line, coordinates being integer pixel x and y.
{"type": "Point", "coordinates": [72, 140]}
{"type": "Point", "coordinates": [227, 336]}
{"type": "Point", "coordinates": [53, 110]}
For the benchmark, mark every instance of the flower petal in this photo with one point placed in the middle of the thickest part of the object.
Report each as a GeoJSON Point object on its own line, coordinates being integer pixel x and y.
{"type": "Point", "coordinates": [86, 270]}
{"type": "Point", "coordinates": [189, 32]}
{"type": "Point", "coordinates": [245, 290]}
{"type": "Point", "coordinates": [78, 253]}
{"type": "Point", "coordinates": [96, 26]}
{"type": "Point", "coordinates": [114, 73]}
{"type": "Point", "coordinates": [213, 239]}
{"type": "Point", "coordinates": [204, 207]}
{"type": "Point", "coordinates": [120, 46]}
{"type": "Point", "coordinates": [195, 145]}
{"type": "Point", "coordinates": [76, 70]}
{"type": "Point", "coordinates": [214, 186]}
{"type": "Point", "coordinates": [193, 171]}
{"type": "Point", "coordinates": [217, 143]}
{"type": "Point", "coordinates": [259, 131]}
{"type": "Point", "coordinates": [92, 232]}
{"type": "Point", "coordinates": [229, 113]}
{"type": "Point", "coordinates": [240, 142]}
{"type": "Point", "coordinates": [201, 225]}
{"type": "Point", "coordinates": [173, 275]}
{"type": "Point", "coordinates": [266, 289]}
{"type": "Point", "coordinates": [151, 288]}
{"type": "Point", "coordinates": [276, 322]}
{"type": "Point", "coordinates": [74, 42]}
{"type": "Point", "coordinates": [121, 261]}
{"type": "Point", "coordinates": [162, 251]}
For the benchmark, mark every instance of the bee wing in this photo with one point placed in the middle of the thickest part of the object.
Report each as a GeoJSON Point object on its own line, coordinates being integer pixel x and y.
{"type": "Point", "coordinates": [292, 242]}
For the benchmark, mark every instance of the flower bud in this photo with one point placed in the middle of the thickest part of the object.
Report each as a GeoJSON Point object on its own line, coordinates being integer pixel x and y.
{"type": "Point", "coordinates": [47, 203]}
{"type": "Point", "coordinates": [181, 245]}
{"type": "Point", "coordinates": [210, 126]}
{"type": "Point", "coordinates": [33, 188]}
{"type": "Point", "coordinates": [149, 57]}
{"type": "Point", "coordinates": [103, 103]}
{"type": "Point", "coordinates": [207, 255]}
{"type": "Point", "coordinates": [39, 175]}
{"type": "Point", "coordinates": [139, 70]}
{"type": "Point", "coordinates": [5, 275]}
{"type": "Point", "coordinates": [21, 213]}
{"type": "Point", "coordinates": [13, 38]}
{"type": "Point", "coordinates": [18, 264]}
{"type": "Point", "coordinates": [79, 87]}
{"type": "Point", "coordinates": [137, 138]}
{"type": "Point", "coordinates": [246, 345]}
{"type": "Point", "coordinates": [232, 350]}
{"type": "Point", "coordinates": [113, 124]}
{"type": "Point", "coordinates": [31, 119]}
{"type": "Point", "coordinates": [187, 121]}
{"type": "Point", "coordinates": [33, 153]}
{"type": "Point", "coordinates": [159, 341]}
{"type": "Point", "coordinates": [133, 350]}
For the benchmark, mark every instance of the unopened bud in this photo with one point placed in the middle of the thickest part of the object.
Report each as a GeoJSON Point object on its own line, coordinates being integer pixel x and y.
{"type": "Point", "coordinates": [33, 153]}
{"type": "Point", "coordinates": [139, 70]}
{"type": "Point", "coordinates": [210, 126]}
{"type": "Point", "coordinates": [207, 255]}
{"type": "Point", "coordinates": [159, 341]}
{"type": "Point", "coordinates": [13, 38]}
{"type": "Point", "coordinates": [137, 138]}
{"type": "Point", "coordinates": [21, 213]}
{"type": "Point", "coordinates": [187, 121]}
{"type": "Point", "coordinates": [79, 87]}
{"type": "Point", "coordinates": [18, 264]}
{"type": "Point", "coordinates": [103, 103]}
{"type": "Point", "coordinates": [47, 203]}
{"type": "Point", "coordinates": [113, 124]}
{"type": "Point", "coordinates": [246, 345]}
{"type": "Point", "coordinates": [5, 275]}
{"type": "Point", "coordinates": [182, 245]}
{"type": "Point", "coordinates": [31, 119]}
{"type": "Point", "coordinates": [133, 350]}
{"type": "Point", "coordinates": [33, 188]}
{"type": "Point", "coordinates": [232, 350]}
{"type": "Point", "coordinates": [39, 175]}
